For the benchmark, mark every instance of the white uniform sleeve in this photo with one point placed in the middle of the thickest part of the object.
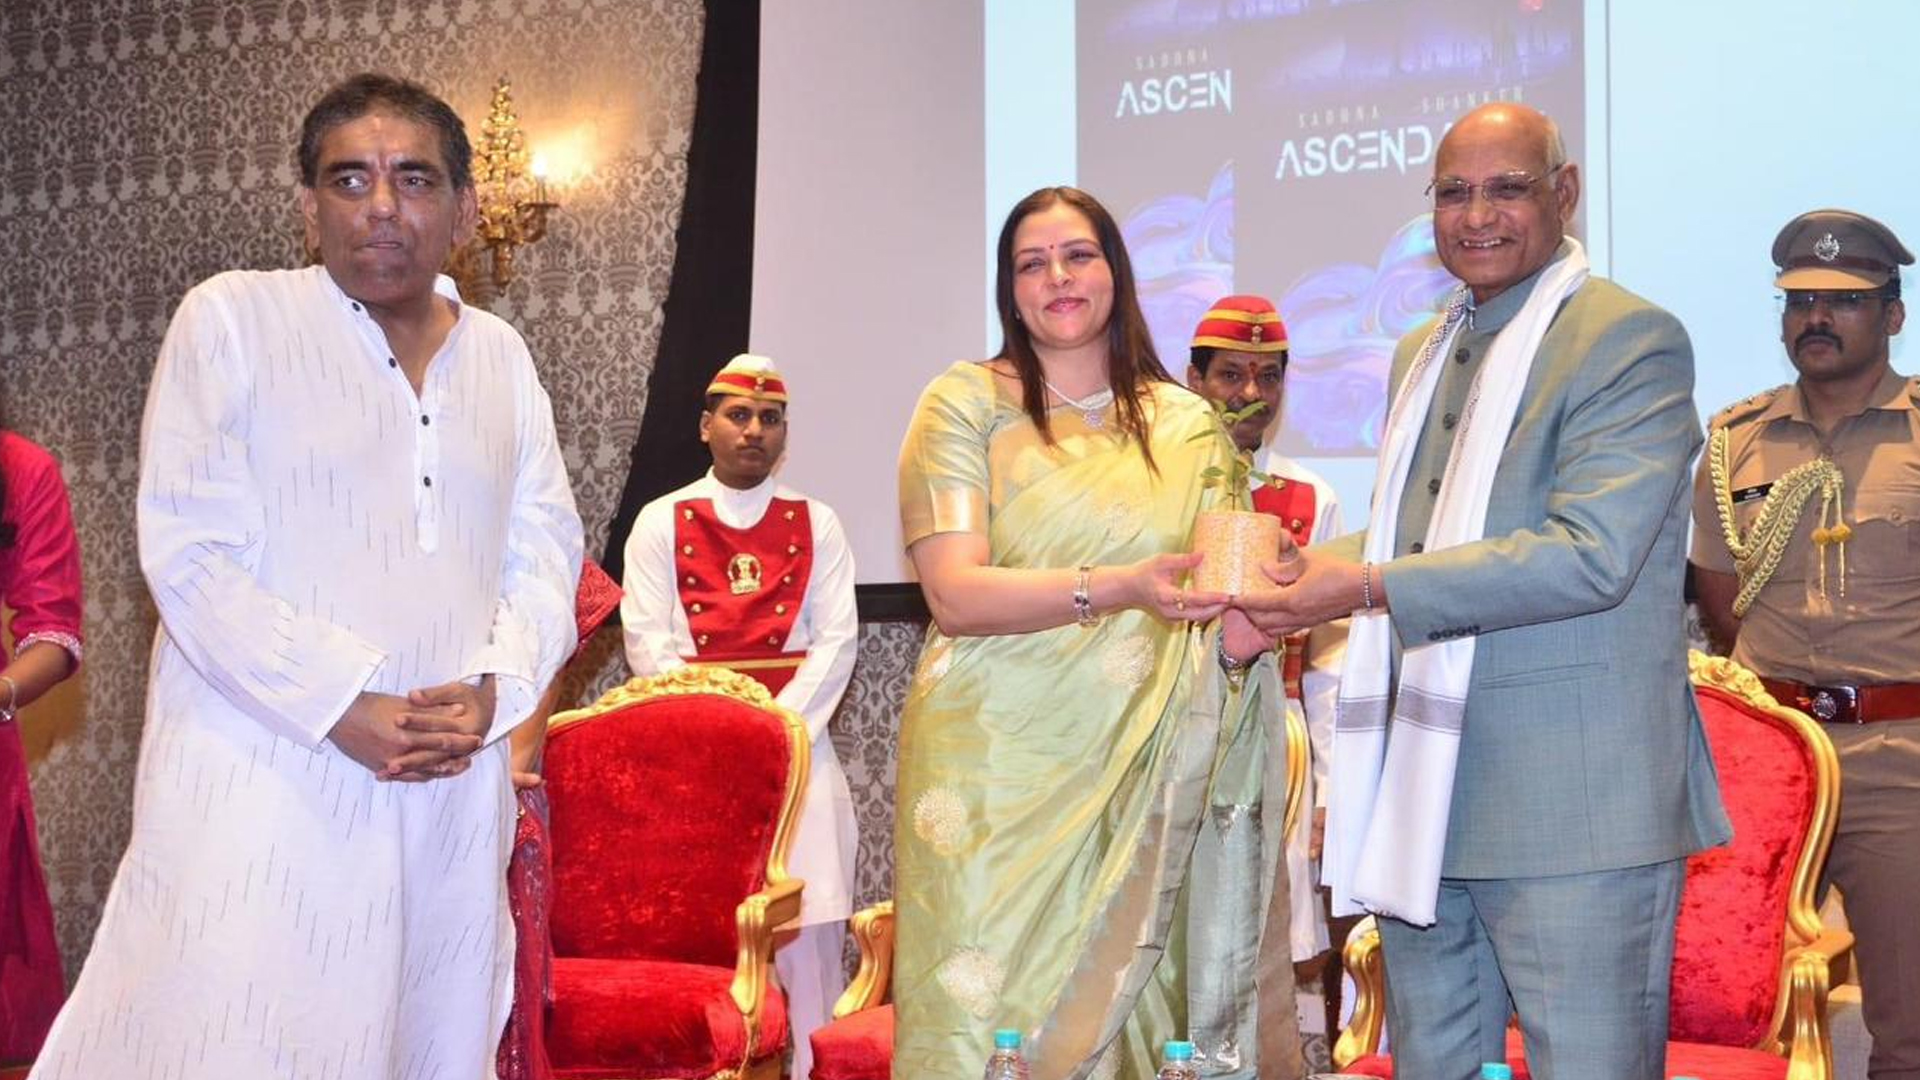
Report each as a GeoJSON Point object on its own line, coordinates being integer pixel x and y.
{"type": "Point", "coordinates": [1326, 651]}
{"type": "Point", "coordinates": [829, 608]}
{"type": "Point", "coordinates": [533, 625]}
{"type": "Point", "coordinates": [200, 522]}
{"type": "Point", "coordinates": [648, 596]}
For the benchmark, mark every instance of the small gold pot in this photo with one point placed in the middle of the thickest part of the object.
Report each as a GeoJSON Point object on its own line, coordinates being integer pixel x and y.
{"type": "Point", "coordinates": [1233, 544]}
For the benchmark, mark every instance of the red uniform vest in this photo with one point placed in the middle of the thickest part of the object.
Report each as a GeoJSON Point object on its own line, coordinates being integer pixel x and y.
{"type": "Point", "coordinates": [742, 588]}
{"type": "Point", "coordinates": [1294, 503]}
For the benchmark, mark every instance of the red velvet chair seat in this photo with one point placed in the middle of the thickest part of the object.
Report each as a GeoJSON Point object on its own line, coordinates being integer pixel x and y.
{"type": "Point", "coordinates": [1683, 1059]}
{"type": "Point", "coordinates": [689, 1027]}
{"type": "Point", "coordinates": [858, 1046]}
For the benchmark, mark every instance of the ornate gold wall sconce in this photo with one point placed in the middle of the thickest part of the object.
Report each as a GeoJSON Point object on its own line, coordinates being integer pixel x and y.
{"type": "Point", "coordinates": [514, 202]}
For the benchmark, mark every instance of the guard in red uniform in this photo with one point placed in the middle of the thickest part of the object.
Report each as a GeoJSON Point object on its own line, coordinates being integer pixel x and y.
{"type": "Point", "coordinates": [1238, 357]}
{"type": "Point", "coordinates": [737, 571]}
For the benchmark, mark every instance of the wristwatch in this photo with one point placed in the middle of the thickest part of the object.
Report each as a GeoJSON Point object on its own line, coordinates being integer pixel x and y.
{"type": "Point", "coordinates": [1235, 670]}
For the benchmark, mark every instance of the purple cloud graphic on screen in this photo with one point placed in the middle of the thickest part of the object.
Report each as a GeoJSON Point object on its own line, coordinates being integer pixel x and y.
{"type": "Point", "coordinates": [1182, 250]}
{"type": "Point", "coordinates": [1342, 319]}
{"type": "Point", "coordinates": [1280, 147]}
{"type": "Point", "coordinates": [1342, 323]}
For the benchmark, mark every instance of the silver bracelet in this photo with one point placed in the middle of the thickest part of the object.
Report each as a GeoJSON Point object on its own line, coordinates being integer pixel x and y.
{"type": "Point", "coordinates": [1366, 586]}
{"type": "Point", "coordinates": [1083, 598]}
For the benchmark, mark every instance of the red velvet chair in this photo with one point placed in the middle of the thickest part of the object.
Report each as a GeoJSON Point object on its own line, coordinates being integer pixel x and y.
{"type": "Point", "coordinates": [1749, 991]}
{"type": "Point", "coordinates": [858, 1044]}
{"type": "Point", "coordinates": [674, 800]}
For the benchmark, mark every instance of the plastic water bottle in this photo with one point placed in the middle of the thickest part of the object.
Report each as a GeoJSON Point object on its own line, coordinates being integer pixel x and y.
{"type": "Point", "coordinates": [1496, 1070]}
{"type": "Point", "coordinates": [1007, 1062]}
{"type": "Point", "coordinates": [1179, 1063]}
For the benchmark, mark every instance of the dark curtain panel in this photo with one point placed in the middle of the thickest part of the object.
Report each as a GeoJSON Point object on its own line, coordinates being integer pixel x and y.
{"type": "Point", "coordinates": [710, 299]}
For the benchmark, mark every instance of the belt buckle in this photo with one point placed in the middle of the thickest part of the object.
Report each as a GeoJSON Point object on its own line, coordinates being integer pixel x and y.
{"type": "Point", "coordinates": [1834, 704]}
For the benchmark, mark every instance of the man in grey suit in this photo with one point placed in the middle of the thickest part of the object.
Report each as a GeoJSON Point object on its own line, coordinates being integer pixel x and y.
{"type": "Point", "coordinates": [1582, 779]}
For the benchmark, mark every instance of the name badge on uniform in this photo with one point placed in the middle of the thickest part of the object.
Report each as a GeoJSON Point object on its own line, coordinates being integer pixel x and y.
{"type": "Point", "coordinates": [1748, 494]}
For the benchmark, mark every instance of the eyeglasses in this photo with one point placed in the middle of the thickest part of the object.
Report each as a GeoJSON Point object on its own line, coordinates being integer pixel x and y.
{"type": "Point", "coordinates": [1453, 193]}
{"type": "Point", "coordinates": [1802, 301]}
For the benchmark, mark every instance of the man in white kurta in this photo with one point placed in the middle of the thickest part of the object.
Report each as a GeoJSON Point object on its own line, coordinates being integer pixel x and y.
{"type": "Point", "coordinates": [807, 658]}
{"type": "Point", "coordinates": [319, 530]}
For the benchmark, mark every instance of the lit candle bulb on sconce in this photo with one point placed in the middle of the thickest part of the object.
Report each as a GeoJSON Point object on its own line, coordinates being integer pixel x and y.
{"type": "Point", "coordinates": [538, 168]}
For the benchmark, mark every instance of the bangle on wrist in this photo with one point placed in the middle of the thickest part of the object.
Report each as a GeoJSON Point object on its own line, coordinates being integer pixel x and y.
{"type": "Point", "coordinates": [1366, 586]}
{"type": "Point", "coordinates": [1083, 597]}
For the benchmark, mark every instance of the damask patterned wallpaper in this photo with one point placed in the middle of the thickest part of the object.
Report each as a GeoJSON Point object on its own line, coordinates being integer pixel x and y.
{"type": "Point", "coordinates": [866, 732]}
{"type": "Point", "coordinates": [147, 144]}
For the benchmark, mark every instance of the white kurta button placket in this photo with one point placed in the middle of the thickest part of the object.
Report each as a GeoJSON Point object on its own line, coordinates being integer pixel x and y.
{"type": "Point", "coordinates": [422, 410]}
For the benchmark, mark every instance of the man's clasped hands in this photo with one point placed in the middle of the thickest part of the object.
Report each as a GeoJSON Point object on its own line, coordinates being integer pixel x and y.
{"type": "Point", "coordinates": [427, 735]}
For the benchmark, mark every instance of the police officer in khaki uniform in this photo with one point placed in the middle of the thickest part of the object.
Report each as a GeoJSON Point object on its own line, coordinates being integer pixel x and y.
{"type": "Point", "coordinates": [1806, 550]}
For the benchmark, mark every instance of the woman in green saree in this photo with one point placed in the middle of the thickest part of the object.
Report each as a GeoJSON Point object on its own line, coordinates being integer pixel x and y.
{"type": "Point", "coordinates": [1073, 704]}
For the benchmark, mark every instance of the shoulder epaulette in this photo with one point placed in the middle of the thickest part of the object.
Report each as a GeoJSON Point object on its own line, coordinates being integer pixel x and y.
{"type": "Point", "coordinates": [1745, 407]}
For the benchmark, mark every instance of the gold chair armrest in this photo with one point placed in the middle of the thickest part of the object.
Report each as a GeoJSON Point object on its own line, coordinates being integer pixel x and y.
{"type": "Point", "coordinates": [1806, 1038]}
{"type": "Point", "coordinates": [1299, 765]}
{"type": "Point", "coordinates": [1367, 966]}
{"type": "Point", "coordinates": [755, 920]}
{"type": "Point", "coordinates": [873, 933]}
{"type": "Point", "coordinates": [1832, 944]}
